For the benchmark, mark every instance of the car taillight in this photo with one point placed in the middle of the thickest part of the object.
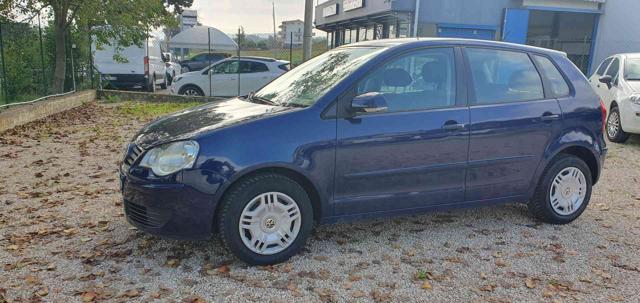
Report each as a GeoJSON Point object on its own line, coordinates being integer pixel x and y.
{"type": "Point", "coordinates": [146, 65]}
{"type": "Point", "coordinates": [603, 109]}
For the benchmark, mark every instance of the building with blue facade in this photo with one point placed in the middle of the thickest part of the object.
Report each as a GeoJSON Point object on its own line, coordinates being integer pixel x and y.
{"type": "Point", "coordinates": [587, 30]}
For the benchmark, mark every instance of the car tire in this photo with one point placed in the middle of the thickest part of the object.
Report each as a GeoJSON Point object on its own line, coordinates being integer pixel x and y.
{"type": "Point", "coordinates": [547, 202]}
{"type": "Point", "coordinates": [614, 130]}
{"type": "Point", "coordinates": [277, 200]}
{"type": "Point", "coordinates": [151, 87]}
{"type": "Point", "coordinates": [191, 90]}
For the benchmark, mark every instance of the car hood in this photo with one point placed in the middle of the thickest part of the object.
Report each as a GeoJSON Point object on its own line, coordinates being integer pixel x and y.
{"type": "Point", "coordinates": [195, 121]}
{"type": "Point", "coordinates": [191, 74]}
{"type": "Point", "coordinates": [635, 86]}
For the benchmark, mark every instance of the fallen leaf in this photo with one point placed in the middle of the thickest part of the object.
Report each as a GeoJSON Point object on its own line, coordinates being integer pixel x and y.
{"type": "Point", "coordinates": [427, 285]}
{"type": "Point", "coordinates": [132, 293]}
{"type": "Point", "coordinates": [173, 263]}
{"type": "Point", "coordinates": [89, 296]}
{"type": "Point", "coordinates": [224, 269]}
{"type": "Point", "coordinates": [531, 283]}
{"type": "Point", "coordinates": [358, 294]}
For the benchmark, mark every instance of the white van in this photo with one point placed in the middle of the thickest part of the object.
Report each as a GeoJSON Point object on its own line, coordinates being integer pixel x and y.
{"type": "Point", "coordinates": [136, 67]}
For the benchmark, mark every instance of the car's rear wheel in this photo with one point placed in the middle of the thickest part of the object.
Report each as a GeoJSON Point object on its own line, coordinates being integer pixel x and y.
{"type": "Point", "coordinates": [191, 90]}
{"type": "Point", "coordinates": [563, 192]}
{"type": "Point", "coordinates": [265, 219]}
{"type": "Point", "coordinates": [151, 87]}
{"type": "Point", "coordinates": [614, 127]}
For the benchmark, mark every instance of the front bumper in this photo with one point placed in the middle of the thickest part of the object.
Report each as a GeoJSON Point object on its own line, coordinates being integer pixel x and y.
{"type": "Point", "coordinates": [174, 210]}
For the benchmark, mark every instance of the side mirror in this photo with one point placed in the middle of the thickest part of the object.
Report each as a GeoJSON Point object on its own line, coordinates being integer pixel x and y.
{"type": "Point", "coordinates": [369, 103]}
{"type": "Point", "coordinates": [606, 79]}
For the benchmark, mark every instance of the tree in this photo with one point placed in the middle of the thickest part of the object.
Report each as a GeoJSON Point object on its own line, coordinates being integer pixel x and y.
{"type": "Point", "coordinates": [241, 38]}
{"type": "Point", "coordinates": [126, 22]}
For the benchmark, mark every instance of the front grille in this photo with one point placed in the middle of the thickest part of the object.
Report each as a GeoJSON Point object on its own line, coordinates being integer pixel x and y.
{"type": "Point", "coordinates": [143, 216]}
{"type": "Point", "coordinates": [133, 152]}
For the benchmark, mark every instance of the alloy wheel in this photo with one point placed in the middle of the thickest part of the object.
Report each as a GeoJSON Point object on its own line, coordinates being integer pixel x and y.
{"type": "Point", "coordinates": [613, 124]}
{"type": "Point", "coordinates": [191, 92]}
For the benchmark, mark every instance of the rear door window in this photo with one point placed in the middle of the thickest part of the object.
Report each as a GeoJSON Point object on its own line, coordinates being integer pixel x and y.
{"type": "Point", "coordinates": [559, 86]}
{"type": "Point", "coordinates": [503, 76]}
{"type": "Point", "coordinates": [257, 67]}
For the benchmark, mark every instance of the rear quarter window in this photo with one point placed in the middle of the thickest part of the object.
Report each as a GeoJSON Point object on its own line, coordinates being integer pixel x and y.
{"type": "Point", "coordinates": [503, 76]}
{"type": "Point", "coordinates": [559, 86]}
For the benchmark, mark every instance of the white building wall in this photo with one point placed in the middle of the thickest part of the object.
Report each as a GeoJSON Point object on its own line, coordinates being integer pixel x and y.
{"type": "Point", "coordinates": [298, 33]}
{"type": "Point", "coordinates": [618, 31]}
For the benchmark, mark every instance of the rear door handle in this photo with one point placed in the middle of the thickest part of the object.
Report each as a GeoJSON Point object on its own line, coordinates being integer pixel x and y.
{"type": "Point", "coordinates": [548, 117]}
{"type": "Point", "coordinates": [453, 125]}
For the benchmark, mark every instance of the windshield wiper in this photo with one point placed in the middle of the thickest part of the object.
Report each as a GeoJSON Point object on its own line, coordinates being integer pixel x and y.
{"type": "Point", "coordinates": [256, 99]}
{"type": "Point", "coordinates": [294, 105]}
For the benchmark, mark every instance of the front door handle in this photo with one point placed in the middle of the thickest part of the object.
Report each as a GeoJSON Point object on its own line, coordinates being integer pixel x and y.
{"type": "Point", "coordinates": [548, 117]}
{"type": "Point", "coordinates": [453, 126]}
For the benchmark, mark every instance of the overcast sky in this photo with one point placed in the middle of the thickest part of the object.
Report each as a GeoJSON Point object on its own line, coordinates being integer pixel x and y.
{"type": "Point", "coordinates": [254, 15]}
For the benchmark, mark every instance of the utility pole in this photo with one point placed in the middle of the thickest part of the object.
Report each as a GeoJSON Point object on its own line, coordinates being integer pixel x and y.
{"type": "Point", "coordinates": [416, 19]}
{"type": "Point", "coordinates": [275, 37]}
{"type": "Point", "coordinates": [308, 29]}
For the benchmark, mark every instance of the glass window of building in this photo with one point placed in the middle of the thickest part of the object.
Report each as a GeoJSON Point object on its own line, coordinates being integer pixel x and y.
{"type": "Point", "coordinates": [403, 29]}
{"type": "Point", "coordinates": [347, 36]}
{"type": "Point", "coordinates": [363, 34]}
{"type": "Point", "coordinates": [378, 34]}
{"type": "Point", "coordinates": [392, 30]}
{"type": "Point", "coordinates": [569, 32]}
{"type": "Point", "coordinates": [370, 33]}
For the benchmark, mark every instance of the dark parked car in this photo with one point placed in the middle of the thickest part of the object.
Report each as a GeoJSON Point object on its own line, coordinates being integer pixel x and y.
{"type": "Point", "coordinates": [372, 129]}
{"type": "Point", "coordinates": [200, 61]}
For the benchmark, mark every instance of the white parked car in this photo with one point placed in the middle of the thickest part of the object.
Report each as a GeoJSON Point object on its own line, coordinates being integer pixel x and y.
{"type": "Point", "coordinates": [617, 82]}
{"type": "Point", "coordinates": [131, 67]}
{"type": "Point", "coordinates": [221, 78]}
{"type": "Point", "coordinates": [173, 67]}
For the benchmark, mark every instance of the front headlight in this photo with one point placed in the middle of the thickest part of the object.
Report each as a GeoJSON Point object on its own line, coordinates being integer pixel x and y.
{"type": "Point", "coordinates": [635, 99]}
{"type": "Point", "coordinates": [177, 79]}
{"type": "Point", "coordinates": [170, 158]}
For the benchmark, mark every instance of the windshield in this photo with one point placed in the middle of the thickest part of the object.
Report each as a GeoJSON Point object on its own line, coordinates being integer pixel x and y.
{"type": "Point", "coordinates": [305, 84]}
{"type": "Point", "coordinates": [632, 70]}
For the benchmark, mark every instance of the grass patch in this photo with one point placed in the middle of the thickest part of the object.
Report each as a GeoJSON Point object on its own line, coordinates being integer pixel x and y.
{"type": "Point", "coordinates": [148, 110]}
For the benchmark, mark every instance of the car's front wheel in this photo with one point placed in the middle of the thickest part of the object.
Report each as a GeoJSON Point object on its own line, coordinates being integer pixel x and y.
{"type": "Point", "coordinates": [563, 192]}
{"type": "Point", "coordinates": [191, 90]}
{"type": "Point", "coordinates": [265, 219]}
{"type": "Point", "coordinates": [614, 127]}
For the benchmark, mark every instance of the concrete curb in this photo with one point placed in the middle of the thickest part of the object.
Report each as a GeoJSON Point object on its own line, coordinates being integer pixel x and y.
{"type": "Point", "coordinates": [24, 113]}
{"type": "Point", "coordinates": [117, 95]}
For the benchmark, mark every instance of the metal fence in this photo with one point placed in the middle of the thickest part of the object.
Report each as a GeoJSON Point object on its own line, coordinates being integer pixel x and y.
{"type": "Point", "coordinates": [27, 61]}
{"type": "Point", "coordinates": [284, 50]}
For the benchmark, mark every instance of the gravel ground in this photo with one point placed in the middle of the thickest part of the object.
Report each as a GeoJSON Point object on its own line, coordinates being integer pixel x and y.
{"type": "Point", "coordinates": [64, 238]}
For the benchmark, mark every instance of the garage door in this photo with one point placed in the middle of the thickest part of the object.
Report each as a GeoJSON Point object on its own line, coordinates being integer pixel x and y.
{"type": "Point", "coordinates": [466, 32]}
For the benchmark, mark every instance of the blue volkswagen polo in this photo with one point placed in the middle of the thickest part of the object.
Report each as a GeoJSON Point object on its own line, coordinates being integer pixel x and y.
{"type": "Point", "coordinates": [373, 129]}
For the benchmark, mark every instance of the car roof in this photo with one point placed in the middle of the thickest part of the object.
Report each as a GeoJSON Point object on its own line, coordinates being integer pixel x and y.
{"type": "Point", "coordinates": [417, 42]}
{"type": "Point", "coordinates": [255, 58]}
